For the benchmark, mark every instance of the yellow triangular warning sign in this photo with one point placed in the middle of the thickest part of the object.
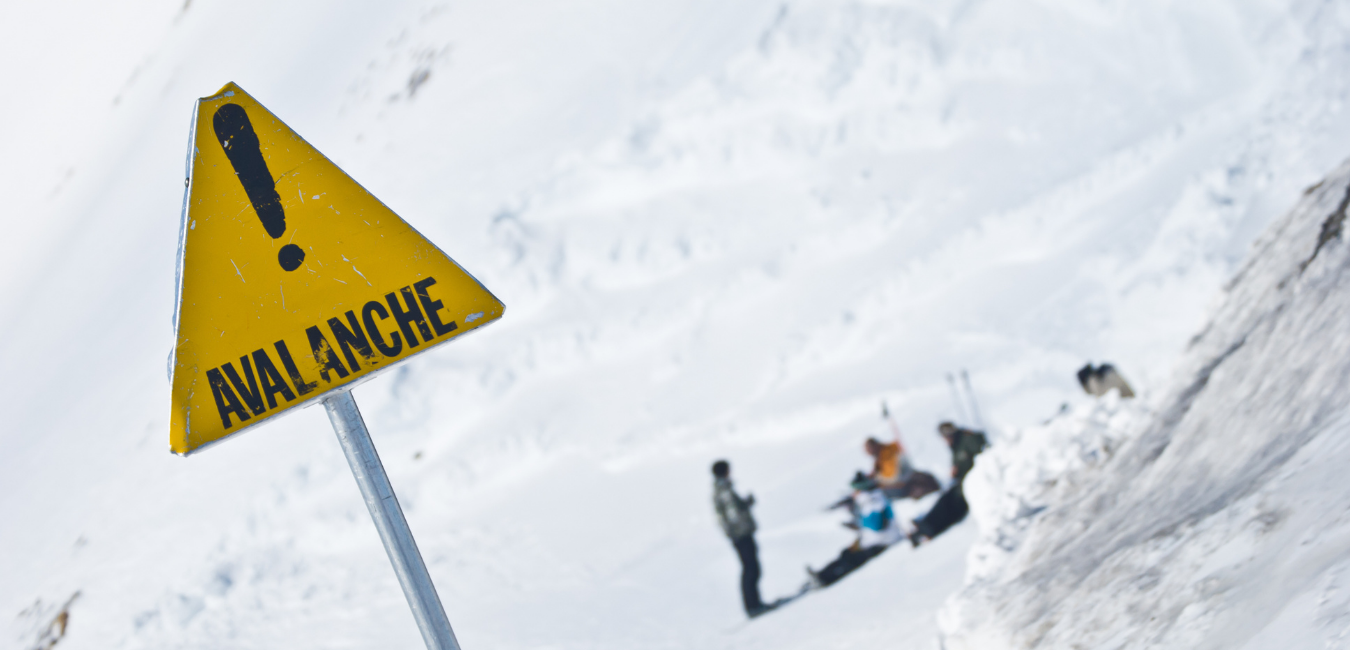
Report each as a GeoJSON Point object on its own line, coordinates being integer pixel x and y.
{"type": "Point", "coordinates": [293, 279]}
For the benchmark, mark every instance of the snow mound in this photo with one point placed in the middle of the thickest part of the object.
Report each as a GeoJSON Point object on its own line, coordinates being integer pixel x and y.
{"type": "Point", "coordinates": [1031, 467]}
{"type": "Point", "coordinates": [1221, 519]}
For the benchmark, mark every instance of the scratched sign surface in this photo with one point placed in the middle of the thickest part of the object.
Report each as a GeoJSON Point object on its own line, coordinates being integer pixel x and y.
{"type": "Point", "coordinates": [293, 279]}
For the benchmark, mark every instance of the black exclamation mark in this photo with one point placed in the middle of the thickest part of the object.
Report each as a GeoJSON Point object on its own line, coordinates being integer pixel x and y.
{"type": "Point", "coordinates": [241, 146]}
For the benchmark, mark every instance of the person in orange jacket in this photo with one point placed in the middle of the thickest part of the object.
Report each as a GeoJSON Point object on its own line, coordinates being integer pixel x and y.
{"type": "Point", "coordinates": [891, 469]}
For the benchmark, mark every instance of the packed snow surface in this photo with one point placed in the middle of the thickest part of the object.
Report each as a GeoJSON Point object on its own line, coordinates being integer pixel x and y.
{"type": "Point", "coordinates": [720, 230]}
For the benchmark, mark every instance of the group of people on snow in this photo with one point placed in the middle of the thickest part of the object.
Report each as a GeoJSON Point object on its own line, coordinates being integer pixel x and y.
{"type": "Point", "coordinates": [893, 476]}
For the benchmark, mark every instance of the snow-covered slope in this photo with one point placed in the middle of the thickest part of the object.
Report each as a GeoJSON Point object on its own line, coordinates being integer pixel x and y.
{"type": "Point", "coordinates": [1222, 520]}
{"type": "Point", "coordinates": [721, 230]}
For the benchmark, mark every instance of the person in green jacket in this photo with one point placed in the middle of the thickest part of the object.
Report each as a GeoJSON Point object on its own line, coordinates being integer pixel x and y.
{"type": "Point", "coordinates": [733, 514]}
{"type": "Point", "coordinates": [951, 507]}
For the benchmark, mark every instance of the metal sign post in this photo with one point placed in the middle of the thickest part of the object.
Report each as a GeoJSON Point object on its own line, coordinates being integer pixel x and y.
{"type": "Point", "coordinates": [388, 516]}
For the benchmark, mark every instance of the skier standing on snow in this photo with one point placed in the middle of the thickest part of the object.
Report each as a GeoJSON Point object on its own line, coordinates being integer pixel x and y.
{"type": "Point", "coordinates": [951, 507]}
{"type": "Point", "coordinates": [877, 529]}
{"type": "Point", "coordinates": [733, 513]}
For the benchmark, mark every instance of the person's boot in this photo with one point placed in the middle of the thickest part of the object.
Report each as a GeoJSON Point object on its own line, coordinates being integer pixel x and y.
{"type": "Point", "coordinates": [918, 535]}
{"type": "Point", "coordinates": [815, 581]}
{"type": "Point", "coordinates": [758, 610]}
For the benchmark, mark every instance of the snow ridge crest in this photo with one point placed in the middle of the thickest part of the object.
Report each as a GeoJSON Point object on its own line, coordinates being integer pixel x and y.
{"type": "Point", "coordinates": [1204, 522]}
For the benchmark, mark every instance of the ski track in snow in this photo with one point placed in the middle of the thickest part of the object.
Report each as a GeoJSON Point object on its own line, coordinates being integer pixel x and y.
{"type": "Point", "coordinates": [719, 232]}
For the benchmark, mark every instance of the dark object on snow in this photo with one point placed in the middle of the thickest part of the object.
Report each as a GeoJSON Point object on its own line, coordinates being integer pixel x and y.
{"type": "Point", "coordinates": [919, 485]}
{"type": "Point", "coordinates": [733, 514]}
{"type": "Point", "coordinates": [769, 607]}
{"type": "Point", "coordinates": [965, 445]}
{"type": "Point", "coordinates": [1101, 379]}
{"type": "Point", "coordinates": [749, 555]}
{"type": "Point", "coordinates": [951, 508]}
{"type": "Point", "coordinates": [862, 482]}
{"type": "Point", "coordinates": [55, 630]}
{"type": "Point", "coordinates": [1331, 228]}
{"type": "Point", "coordinates": [849, 560]}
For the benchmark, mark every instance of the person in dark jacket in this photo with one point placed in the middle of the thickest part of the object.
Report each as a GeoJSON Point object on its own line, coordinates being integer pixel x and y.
{"type": "Point", "coordinates": [951, 507]}
{"type": "Point", "coordinates": [733, 513]}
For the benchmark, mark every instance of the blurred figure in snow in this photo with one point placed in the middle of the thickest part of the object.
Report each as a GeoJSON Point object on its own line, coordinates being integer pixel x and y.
{"type": "Point", "coordinates": [733, 513]}
{"type": "Point", "coordinates": [1100, 380]}
{"type": "Point", "coordinates": [951, 507]}
{"type": "Point", "coordinates": [891, 469]}
{"type": "Point", "coordinates": [877, 529]}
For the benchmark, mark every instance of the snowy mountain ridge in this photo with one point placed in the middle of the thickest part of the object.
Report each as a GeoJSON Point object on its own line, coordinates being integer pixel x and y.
{"type": "Point", "coordinates": [1221, 520]}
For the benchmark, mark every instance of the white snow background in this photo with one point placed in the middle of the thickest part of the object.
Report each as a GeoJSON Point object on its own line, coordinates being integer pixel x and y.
{"type": "Point", "coordinates": [720, 230]}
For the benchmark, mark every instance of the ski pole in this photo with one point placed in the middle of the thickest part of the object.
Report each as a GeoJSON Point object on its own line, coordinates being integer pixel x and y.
{"type": "Point", "coordinates": [956, 398]}
{"type": "Point", "coordinates": [895, 428]}
{"type": "Point", "coordinates": [974, 407]}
